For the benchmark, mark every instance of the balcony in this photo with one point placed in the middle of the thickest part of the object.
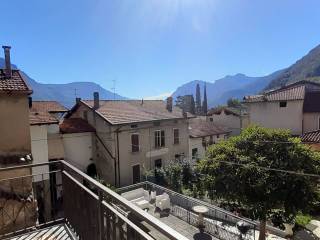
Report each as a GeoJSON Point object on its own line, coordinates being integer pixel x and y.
{"type": "Point", "coordinates": [58, 201]}
{"type": "Point", "coordinates": [64, 203]}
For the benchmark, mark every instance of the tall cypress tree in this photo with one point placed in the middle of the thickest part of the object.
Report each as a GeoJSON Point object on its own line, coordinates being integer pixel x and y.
{"type": "Point", "coordinates": [205, 101]}
{"type": "Point", "coordinates": [198, 100]}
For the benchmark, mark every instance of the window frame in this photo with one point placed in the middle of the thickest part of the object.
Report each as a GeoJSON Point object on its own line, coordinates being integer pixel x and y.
{"type": "Point", "coordinates": [283, 104]}
{"type": "Point", "coordinates": [159, 138]}
{"type": "Point", "coordinates": [176, 140]}
{"type": "Point", "coordinates": [132, 145]}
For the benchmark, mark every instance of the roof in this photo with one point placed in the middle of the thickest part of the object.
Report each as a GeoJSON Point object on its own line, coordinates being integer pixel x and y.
{"type": "Point", "coordinates": [134, 111]}
{"type": "Point", "coordinates": [202, 128]}
{"type": "Point", "coordinates": [295, 92]}
{"type": "Point", "coordinates": [40, 112]}
{"type": "Point", "coordinates": [75, 125]}
{"type": "Point", "coordinates": [14, 84]}
{"type": "Point", "coordinates": [49, 106]}
{"type": "Point", "coordinates": [312, 137]}
{"type": "Point", "coordinates": [312, 102]}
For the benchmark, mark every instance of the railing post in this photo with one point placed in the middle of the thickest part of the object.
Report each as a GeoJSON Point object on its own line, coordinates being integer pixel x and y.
{"type": "Point", "coordinates": [100, 212]}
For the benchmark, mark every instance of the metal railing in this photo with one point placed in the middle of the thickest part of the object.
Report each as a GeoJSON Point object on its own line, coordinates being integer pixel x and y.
{"type": "Point", "coordinates": [67, 195]}
{"type": "Point", "coordinates": [218, 222]}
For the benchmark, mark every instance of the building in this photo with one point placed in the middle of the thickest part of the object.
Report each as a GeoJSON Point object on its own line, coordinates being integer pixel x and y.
{"type": "Point", "coordinates": [294, 107]}
{"type": "Point", "coordinates": [133, 136]}
{"type": "Point", "coordinates": [234, 119]}
{"type": "Point", "coordinates": [15, 146]}
{"type": "Point", "coordinates": [312, 139]}
{"type": "Point", "coordinates": [203, 133]}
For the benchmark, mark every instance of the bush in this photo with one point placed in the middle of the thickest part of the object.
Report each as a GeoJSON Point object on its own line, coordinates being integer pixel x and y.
{"type": "Point", "coordinates": [302, 220]}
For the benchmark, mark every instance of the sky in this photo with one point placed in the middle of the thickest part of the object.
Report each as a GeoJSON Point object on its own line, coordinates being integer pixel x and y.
{"type": "Point", "coordinates": [150, 47]}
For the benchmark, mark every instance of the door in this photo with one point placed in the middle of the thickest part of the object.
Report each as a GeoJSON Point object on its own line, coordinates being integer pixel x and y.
{"type": "Point", "coordinates": [136, 173]}
{"type": "Point", "coordinates": [158, 163]}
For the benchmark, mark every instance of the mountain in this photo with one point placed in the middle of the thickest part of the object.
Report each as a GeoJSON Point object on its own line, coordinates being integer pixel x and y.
{"type": "Point", "coordinates": [307, 68]}
{"type": "Point", "coordinates": [65, 93]}
{"type": "Point", "coordinates": [221, 90]}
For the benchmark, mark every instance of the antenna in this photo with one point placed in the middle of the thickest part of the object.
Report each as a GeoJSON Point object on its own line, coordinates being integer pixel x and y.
{"type": "Point", "coordinates": [114, 88]}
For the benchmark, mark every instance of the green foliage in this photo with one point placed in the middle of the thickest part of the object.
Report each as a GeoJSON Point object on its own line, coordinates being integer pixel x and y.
{"type": "Point", "coordinates": [256, 189]}
{"type": "Point", "coordinates": [302, 220]}
{"type": "Point", "coordinates": [233, 102]}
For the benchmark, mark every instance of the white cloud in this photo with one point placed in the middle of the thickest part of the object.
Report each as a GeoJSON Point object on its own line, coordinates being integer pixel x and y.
{"type": "Point", "coordinates": [161, 96]}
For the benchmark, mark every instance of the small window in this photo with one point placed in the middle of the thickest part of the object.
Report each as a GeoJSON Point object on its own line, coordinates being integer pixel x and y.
{"type": "Point", "coordinates": [194, 153]}
{"type": "Point", "coordinates": [85, 115]}
{"type": "Point", "coordinates": [177, 156]}
{"type": "Point", "coordinates": [176, 139]}
{"type": "Point", "coordinates": [134, 126]}
{"type": "Point", "coordinates": [158, 163]}
{"type": "Point", "coordinates": [211, 119]}
{"type": "Point", "coordinates": [218, 136]}
{"type": "Point", "coordinates": [135, 142]}
{"type": "Point", "coordinates": [159, 138]}
{"type": "Point", "coordinates": [283, 104]}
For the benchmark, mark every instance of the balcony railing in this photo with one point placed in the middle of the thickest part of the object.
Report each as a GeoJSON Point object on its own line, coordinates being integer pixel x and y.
{"type": "Point", "coordinates": [66, 195]}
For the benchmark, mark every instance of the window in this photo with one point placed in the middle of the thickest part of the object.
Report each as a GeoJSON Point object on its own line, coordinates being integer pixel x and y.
{"type": "Point", "coordinates": [159, 139]}
{"type": "Point", "coordinates": [283, 104]}
{"type": "Point", "coordinates": [176, 136]}
{"type": "Point", "coordinates": [135, 142]}
{"type": "Point", "coordinates": [194, 153]}
{"type": "Point", "coordinates": [218, 136]}
{"type": "Point", "coordinates": [211, 119]}
{"type": "Point", "coordinates": [158, 163]}
{"type": "Point", "coordinates": [85, 115]}
{"type": "Point", "coordinates": [319, 123]}
{"type": "Point", "coordinates": [134, 126]}
{"type": "Point", "coordinates": [135, 174]}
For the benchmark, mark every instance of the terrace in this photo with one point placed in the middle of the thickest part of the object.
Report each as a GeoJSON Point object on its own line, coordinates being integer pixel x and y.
{"type": "Point", "coordinates": [64, 203]}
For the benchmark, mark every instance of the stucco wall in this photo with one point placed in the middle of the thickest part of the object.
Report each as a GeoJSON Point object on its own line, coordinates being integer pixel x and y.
{"type": "Point", "coordinates": [14, 127]}
{"type": "Point", "coordinates": [270, 115]}
{"type": "Point", "coordinates": [230, 121]}
{"type": "Point", "coordinates": [39, 149]}
{"type": "Point", "coordinates": [78, 149]}
{"type": "Point", "coordinates": [310, 122]}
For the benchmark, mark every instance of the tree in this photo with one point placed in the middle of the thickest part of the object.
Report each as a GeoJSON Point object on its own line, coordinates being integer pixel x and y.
{"type": "Point", "coordinates": [237, 171]}
{"type": "Point", "coordinates": [205, 101]}
{"type": "Point", "coordinates": [233, 102]}
{"type": "Point", "coordinates": [198, 100]}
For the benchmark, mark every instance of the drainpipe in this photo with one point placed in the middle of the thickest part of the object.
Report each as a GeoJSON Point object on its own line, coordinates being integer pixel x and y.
{"type": "Point", "coordinates": [117, 166]}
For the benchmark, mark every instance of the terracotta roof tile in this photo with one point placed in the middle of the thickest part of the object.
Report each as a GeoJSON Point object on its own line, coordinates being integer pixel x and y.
{"type": "Point", "coordinates": [41, 112]}
{"type": "Point", "coordinates": [132, 111]}
{"type": "Point", "coordinates": [14, 84]}
{"type": "Point", "coordinates": [313, 136]}
{"type": "Point", "coordinates": [75, 125]}
{"type": "Point", "coordinates": [203, 128]}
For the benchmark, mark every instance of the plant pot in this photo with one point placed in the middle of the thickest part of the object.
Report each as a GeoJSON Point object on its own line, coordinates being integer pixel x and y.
{"type": "Point", "coordinates": [288, 228]}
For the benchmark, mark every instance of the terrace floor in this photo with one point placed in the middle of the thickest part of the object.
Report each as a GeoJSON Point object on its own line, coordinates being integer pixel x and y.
{"type": "Point", "coordinates": [57, 232]}
{"type": "Point", "coordinates": [177, 224]}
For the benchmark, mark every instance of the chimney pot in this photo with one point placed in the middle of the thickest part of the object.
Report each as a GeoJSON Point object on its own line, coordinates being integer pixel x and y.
{"type": "Point", "coordinates": [169, 104]}
{"type": "Point", "coordinates": [8, 70]}
{"type": "Point", "coordinates": [78, 100]}
{"type": "Point", "coordinates": [96, 103]}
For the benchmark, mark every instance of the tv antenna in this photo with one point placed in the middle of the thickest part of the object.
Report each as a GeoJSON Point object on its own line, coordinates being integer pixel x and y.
{"type": "Point", "coordinates": [114, 88]}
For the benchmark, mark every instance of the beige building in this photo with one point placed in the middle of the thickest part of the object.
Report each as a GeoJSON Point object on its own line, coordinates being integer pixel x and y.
{"type": "Point", "coordinates": [295, 107]}
{"type": "Point", "coordinates": [15, 148]}
{"type": "Point", "coordinates": [234, 119]}
{"type": "Point", "coordinates": [133, 136]}
{"type": "Point", "coordinates": [202, 134]}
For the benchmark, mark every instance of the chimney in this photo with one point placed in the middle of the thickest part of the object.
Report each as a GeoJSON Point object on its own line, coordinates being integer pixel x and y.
{"type": "Point", "coordinates": [169, 104]}
{"type": "Point", "coordinates": [78, 100]}
{"type": "Point", "coordinates": [96, 100]}
{"type": "Point", "coordinates": [8, 71]}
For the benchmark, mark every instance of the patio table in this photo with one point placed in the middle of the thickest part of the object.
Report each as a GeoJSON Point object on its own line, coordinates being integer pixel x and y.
{"type": "Point", "coordinates": [200, 210]}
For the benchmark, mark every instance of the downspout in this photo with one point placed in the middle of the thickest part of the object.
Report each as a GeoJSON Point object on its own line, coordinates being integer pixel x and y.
{"type": "Point", "coordinates": [117, 166]}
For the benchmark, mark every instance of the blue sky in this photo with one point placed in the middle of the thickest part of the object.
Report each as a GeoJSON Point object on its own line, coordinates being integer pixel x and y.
{"type": "Point", "coordinates": [150, 47]}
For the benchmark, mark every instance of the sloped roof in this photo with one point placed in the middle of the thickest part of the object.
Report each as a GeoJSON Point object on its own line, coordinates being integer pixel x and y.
{"type": "Point", "coordinates": [133, 111]}
{"type": "Point", "coordinates": [15, 84]}
{"type": "Point", "coordinates": [203, 128]}
{"type": "Point", "coordinates": [296, 92]}
{"type": "Point", "coordinates": [75, 125]}
{"type": "Point", "coordinates": [227, 110]}
{"type": "Point", "coordinates": [312, 137]}
{"type": "Point", "coordinates": [40, 113]}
